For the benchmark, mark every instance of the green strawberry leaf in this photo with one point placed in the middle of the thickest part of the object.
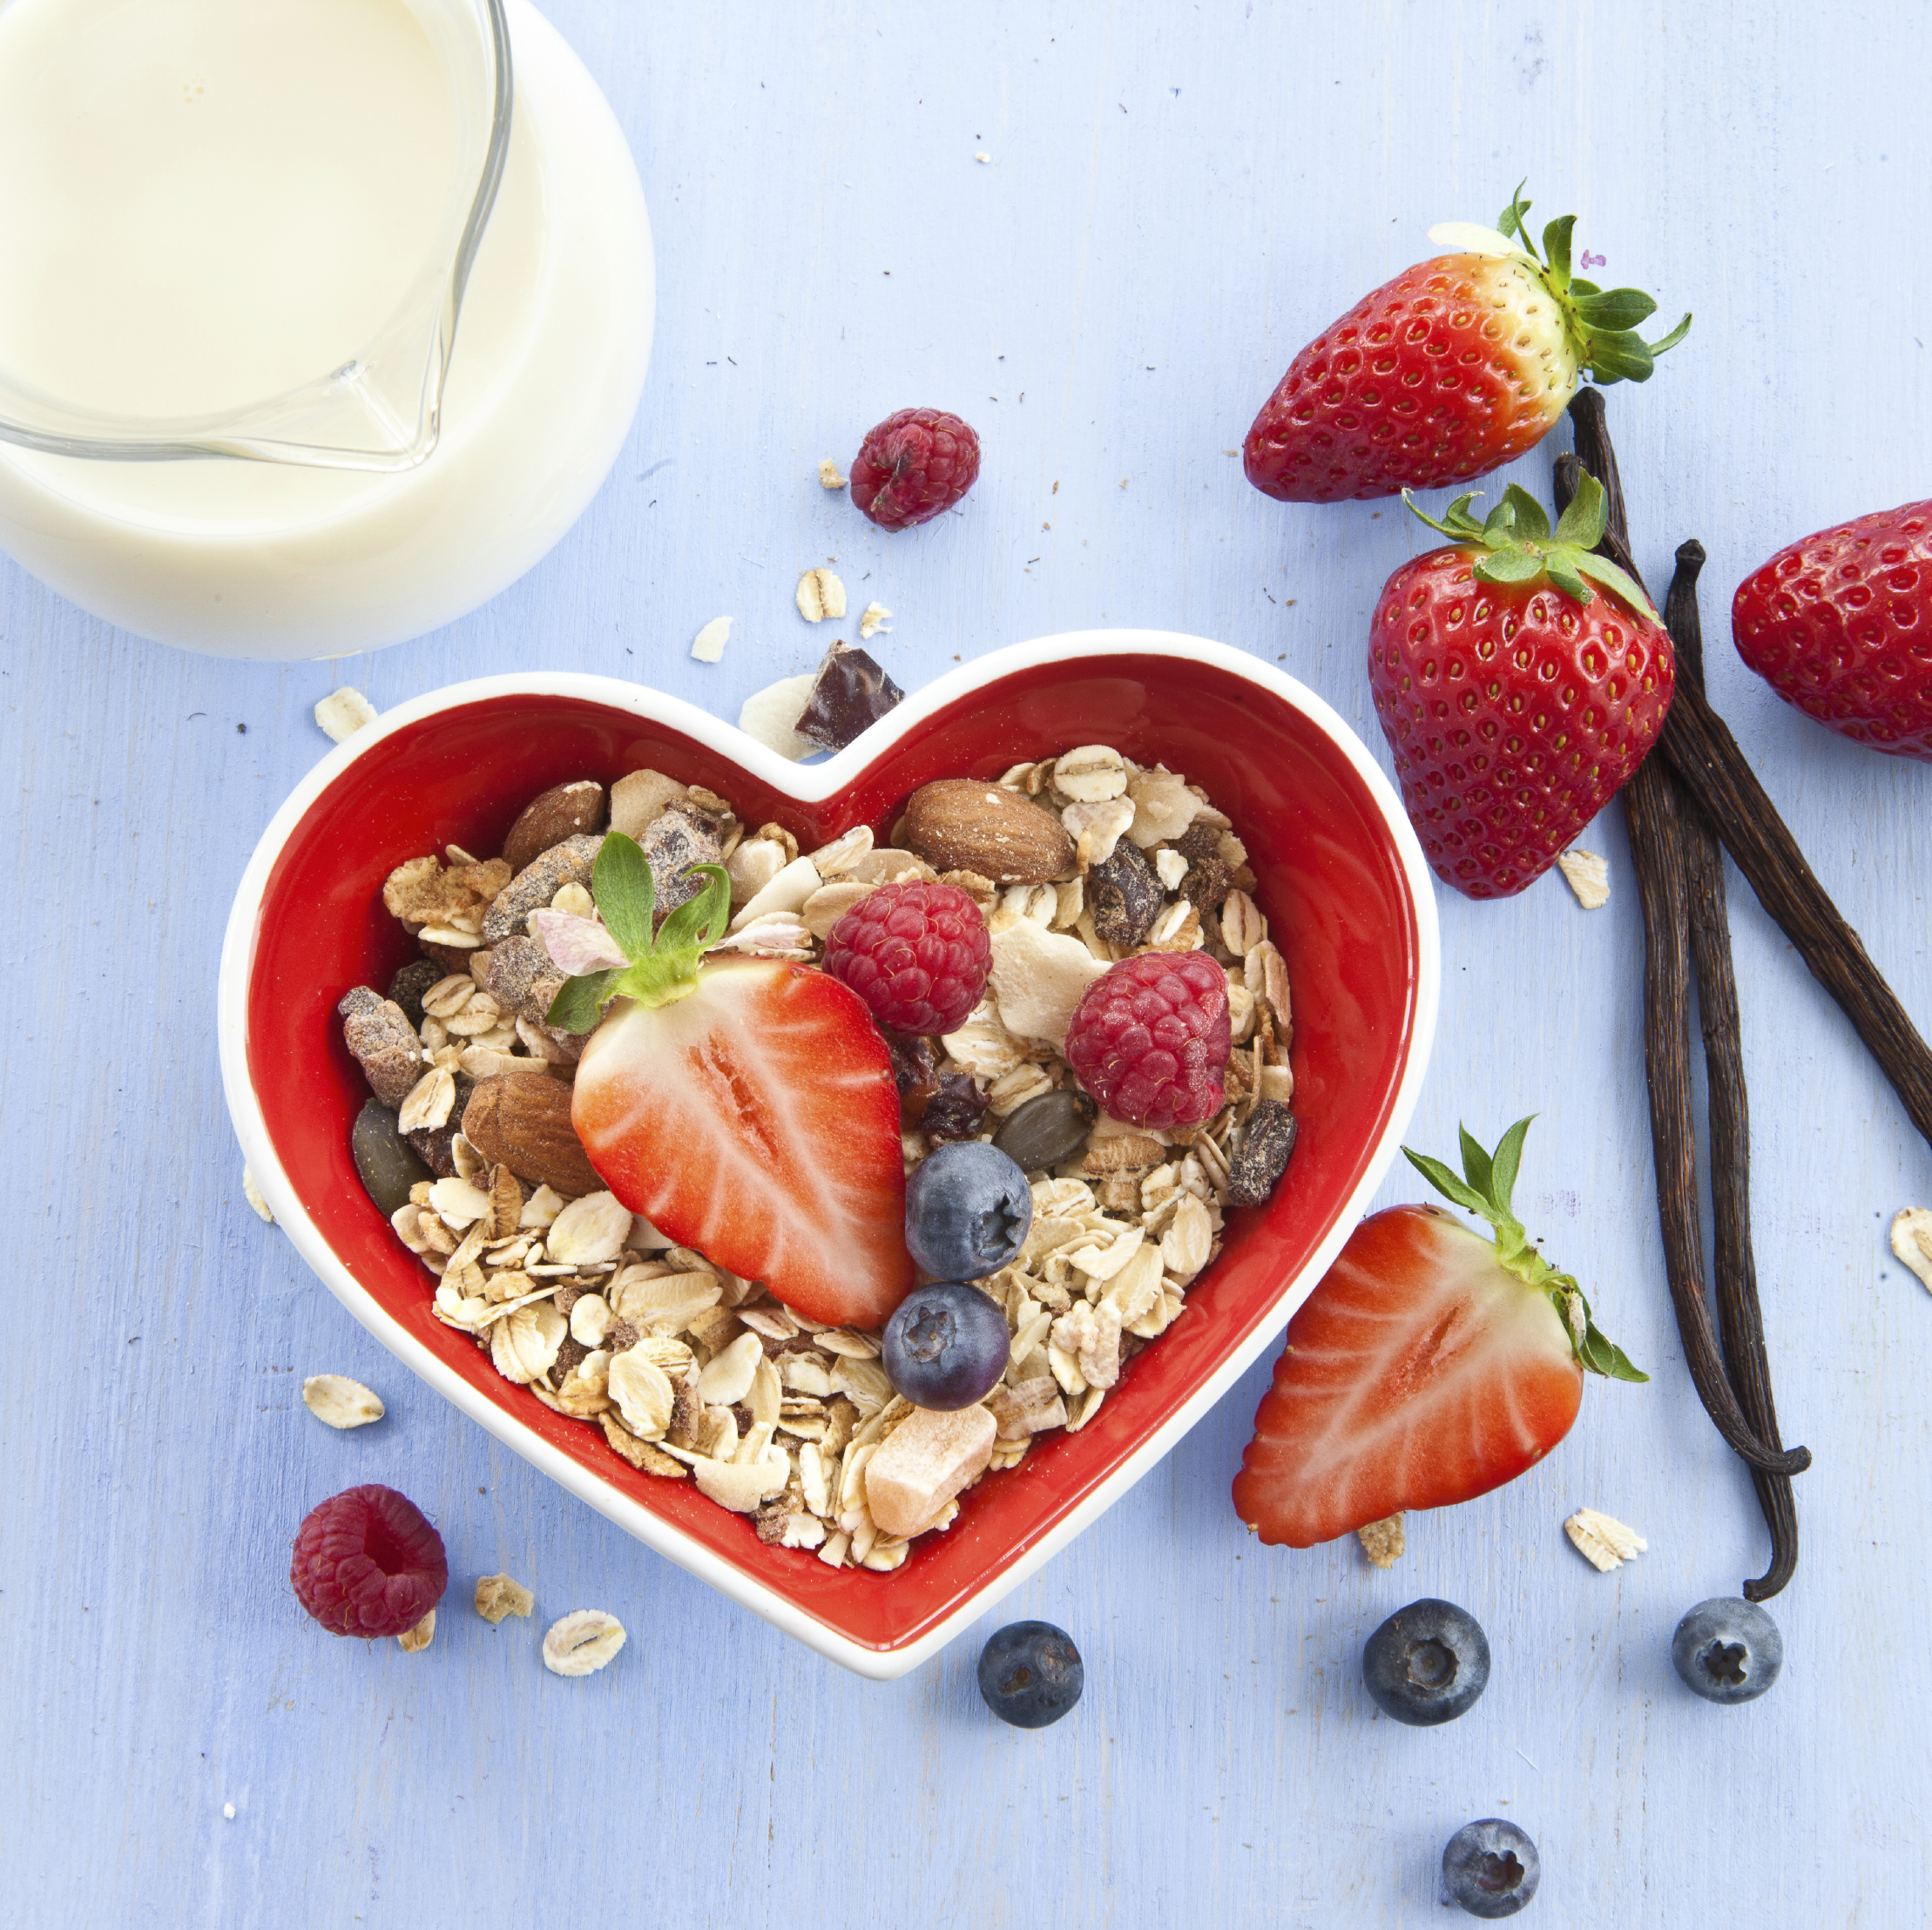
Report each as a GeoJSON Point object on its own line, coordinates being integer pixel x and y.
{"type": "Point", "coordinates": [625, 893]}
{"type": "Point", "coordinates": [1455, 522]}
{"type": "Point", "coordinates": [1620, 308]}
{"type": "Point", "coordinates": [1556, 244]}
{"type": "Point", "coordinates": [579, 1002]}
{"type": "Point", "coordinates": [1561, 566]}
{"type": "Point", "coordinates": [1671, 340]}
{"type": "Point", "coordinates": [701, 921]}
{"type": "Point", "coordinates": [1621, 1366]}
{"type": "Point", "coordinates": [1579, 286]}
{"type": "Point", "coordinates": [1619, 582]}
{"type": "Point", "coordinates": [1446, 1183]}
{"type": "Point", "coordinates": [1620, 357]}
{"type": "Point", "coordinates": [1527, 519]}
{"type": "Point", "coordinates": [1476, 1164]}
{"type": "Point", "coordinates": [1581, 523]}
{"type": "Point", "coordinates": [1508, 566]}
{"type": "Point", "coordinates": [1510, 222]}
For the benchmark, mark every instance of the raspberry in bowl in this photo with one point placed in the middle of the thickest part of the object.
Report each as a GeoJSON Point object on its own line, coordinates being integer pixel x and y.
{"type": "Point", "coordinates": [1338, 893]}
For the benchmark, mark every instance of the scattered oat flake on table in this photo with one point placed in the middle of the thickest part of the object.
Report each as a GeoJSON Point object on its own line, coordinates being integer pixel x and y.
{"type": "Point", "coordinates": [829, 477]}
{"type": "Point", "coordinates": [498, 1595]}
{"type": "Point", "coordinates": [343, 712]}
{"type": "Point", "coordinates": [341, 1402]}
{"type": "Point", "coordinates": [413, 1642]}
{"type": "Point", "coordinates": [1912, 1240]}
{"type": "Point", "coordinates": [1589, 877]}
{"type": "Point", "coordinates": [1602, 1542]}
{"type": "Point", "coordinates": [252, 1193]}
{"type": "Point", "coordinates": [228, 1810]}
{"type": "Point", "coordinates": [1383, 1542]}
{"type": "Point", "coordinates": [770, 714]}
{"type": "Point", "coordinates": [582, 1641]}
{"type": "Point", "coordinates": [709, 644]}
{"type": "Point", "coordinates": [872, 620]}
{"type": "Point", "coordinates": [820, 595]}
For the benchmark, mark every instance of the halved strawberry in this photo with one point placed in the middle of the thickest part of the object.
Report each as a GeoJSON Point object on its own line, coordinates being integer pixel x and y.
{"type": "Point", "coordinates": [1427, 1368]}
{"type": "Point", "coordinates": [746, 1108]}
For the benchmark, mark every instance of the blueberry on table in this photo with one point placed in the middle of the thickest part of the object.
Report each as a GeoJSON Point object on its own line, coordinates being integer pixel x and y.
{"type": "Point", "coordinates": [1427, 1663]}
{"type": "Point", "coordinates": [1727, 1649]}
{"type": "Point", "coordinates": [1490, 1868]}
{"type": "Point", "coordinates": [1030, 1674]}
{"type": "Point", "coordinates": [946, 1346]}
{"type": "Point", "coordinates": [968, 1209]}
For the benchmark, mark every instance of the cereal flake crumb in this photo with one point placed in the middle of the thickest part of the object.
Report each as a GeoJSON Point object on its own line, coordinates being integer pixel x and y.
{"type": "Point", "coordinates": [252, 1193]}
{"type": "Point", "coordinates": [413, 1642]}
{"type": "Point", "coordinates": [343, 712]}
{"type": "Point", "coordinates": [498, 1595]}
{"type": "Point", "coordinates": [1383, 1542]}
{"type": "Point", "coordinates": [709, 644]}
{"type": "Point", "coordinates": [339, 1401]}
{"type": "Point", "coordinates": [820, 595]}
{"type": "Point", "coordinates": [1912, 1240]}
{"type": "Point", "coordinates": [829, 477]}
{"type": "Point", "coordinates": [872, 620]}
{"type": "Point", "coordinates": [1602, 1542]}
{"type": "Point", "coordinates": [1589, 877]}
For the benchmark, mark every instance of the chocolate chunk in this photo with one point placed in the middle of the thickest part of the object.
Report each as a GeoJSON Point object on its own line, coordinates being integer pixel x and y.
{"type": "Point", "coordinates": [954, 1112]}
{"type": "Point", "coordinates": [408, 985]}
{"type": "Point", "coordinates": [570, 1351]}
{"type": "Point", "coordinates": [523, 979]}
{"type": "Point", "coordinates": [1124, 895]}
{"type": "Point", "coordinates": [378, 1032]}
{"type": "Point", "coordinates": [620, 1337]}
{"type": "Point", "coordinates": [534, 887]}
{"type": "Point", "coordinates": [672, 842]}
{"type": "Point", "coordinates": [1256, 1170]}
{"type": "Point", "coordinates": [851, 693]}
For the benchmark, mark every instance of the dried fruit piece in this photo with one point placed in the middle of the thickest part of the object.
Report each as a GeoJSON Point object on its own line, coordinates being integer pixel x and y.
{"type": "Point", "coordinates": [1256, 1170]}
{"type": "Point", "coordinates": [1588, 875]}
{"type": "Point", "coordinates": [923, 1462]}
{"type": "Point", "coordinates": [340, 1402]}
{"type": "Point", "coordinates": [1912, 1240]}
{"type": "Point", "coordinates": [378, 1032]}
{"type": "Point", "coordinates": [954, 1111]}
{"type": "Point", "coordinates": [343, 712]}
{"type": "Point", "coordinates": [582, 1641]}
{"type": "Point", "coordinates": [564, 811]}
{"type": "Point", "coordinates": [820, 595]}
{"type": "Point", "coordinates": [1125, 895]}
{"type": "Point", "coordinates": [849, 692]}
{"type": "Point", "coordinates": [1603, 1543]}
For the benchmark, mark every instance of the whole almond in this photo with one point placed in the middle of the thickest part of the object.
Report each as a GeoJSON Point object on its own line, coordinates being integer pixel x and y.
{"type": "Point", "coordinates": [562, 811]}
{"type": "Point", "coordinates": [957, 824]}
{"type": "Point", "coordinates": [524, 1122]}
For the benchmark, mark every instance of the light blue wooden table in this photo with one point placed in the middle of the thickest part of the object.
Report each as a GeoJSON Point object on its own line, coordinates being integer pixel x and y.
{"type": "Point", "coordinates": [1176, 199]}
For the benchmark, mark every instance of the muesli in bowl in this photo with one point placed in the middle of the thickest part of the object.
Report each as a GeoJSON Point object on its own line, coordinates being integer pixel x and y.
{"type": "Point", "coordinates": [647, 1106]}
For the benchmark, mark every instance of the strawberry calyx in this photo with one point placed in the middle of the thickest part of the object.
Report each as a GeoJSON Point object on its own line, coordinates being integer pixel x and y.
{"type": "Point", "coordinates": [1601, 323]}
{"type": "Point", "coordinates": [1490, 1179]}
{"type": "Point", "coordinates": [664, 961]}
{"type": "Point", "coordinates": [1521, 547]}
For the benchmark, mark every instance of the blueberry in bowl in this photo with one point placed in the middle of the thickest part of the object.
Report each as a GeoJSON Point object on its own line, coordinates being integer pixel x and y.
{"type": "Point", "coordinates": [967, 1210]}
{"type": "Point", "coordinates": [946, 1346]}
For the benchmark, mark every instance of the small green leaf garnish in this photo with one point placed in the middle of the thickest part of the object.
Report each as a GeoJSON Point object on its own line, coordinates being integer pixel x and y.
{"type": "Point", "coordinates": [664, 964]}
{"type": "Point", "coordinates": [1491, 1179]}
{"type": "Point", "coordinates": [1519, 548]}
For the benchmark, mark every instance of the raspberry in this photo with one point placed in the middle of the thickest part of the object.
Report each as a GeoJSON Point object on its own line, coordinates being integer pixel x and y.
{"type": "Point", "coordinates": [917, 954]}
{"type": "Point", "coordinates": [368, 1562]}
{"type": "Point", "coordinates": [915, 464]}
{"type": "Point", "coordinates": [1150, 1039]}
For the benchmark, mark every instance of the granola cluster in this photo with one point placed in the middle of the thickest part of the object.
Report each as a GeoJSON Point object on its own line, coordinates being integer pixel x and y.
{"type": "Point", "coordinates": [691, 1373]}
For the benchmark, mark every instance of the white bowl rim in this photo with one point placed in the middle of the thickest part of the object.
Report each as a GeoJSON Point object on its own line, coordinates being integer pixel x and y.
{"type": "Point", "coordinates": [810, 784]}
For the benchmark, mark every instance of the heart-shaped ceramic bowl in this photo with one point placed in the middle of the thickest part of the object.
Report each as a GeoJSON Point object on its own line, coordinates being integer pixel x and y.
{"type": "Point", "coordinates": [1341, 880]}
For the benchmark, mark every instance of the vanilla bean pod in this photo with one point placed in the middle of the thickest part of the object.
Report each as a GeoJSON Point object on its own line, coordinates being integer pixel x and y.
{"type": "Point", "coordinates": [1651, 809]}
{"type": "Point", "coordinates": [1740, 1318]}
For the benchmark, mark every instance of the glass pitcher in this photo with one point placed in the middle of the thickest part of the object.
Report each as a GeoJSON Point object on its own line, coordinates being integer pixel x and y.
{"type": "Point", "coordinates": [101, 330]}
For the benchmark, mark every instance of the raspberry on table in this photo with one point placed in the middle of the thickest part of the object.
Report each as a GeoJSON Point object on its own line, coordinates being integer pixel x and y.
{"type": "Point", "coordinates": [367, 1562]}
{"type": "Point", "coordinates": [917, 954]}
{"type": "Point", "coordinates": [1151, 1039]}
{"type": "Point", "coordinates": [913, 466]}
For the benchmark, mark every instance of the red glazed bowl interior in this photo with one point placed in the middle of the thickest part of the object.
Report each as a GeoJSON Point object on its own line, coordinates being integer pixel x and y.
{"type": "Point", "coordinates": [1330, 882]}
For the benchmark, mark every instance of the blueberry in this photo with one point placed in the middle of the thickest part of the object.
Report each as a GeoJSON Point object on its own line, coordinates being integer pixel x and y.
{"type": "Point", "coordinates": [1427, 1663]}
{"type": "Point", "coordinates": [1030, 1674]}
{"type": "Point", "coordinates": [1727, 1649]}
{"type": "Point", "coordinates": [1490, 1868]}
{"type": "Point", "coordinates": [946, 1346]}
{"type": "Point", "coordinates": [968, 1209]}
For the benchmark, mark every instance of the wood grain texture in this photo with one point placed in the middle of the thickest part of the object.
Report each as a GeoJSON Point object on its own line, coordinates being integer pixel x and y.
{"type": "Point", "coordinates": [1176, 200]}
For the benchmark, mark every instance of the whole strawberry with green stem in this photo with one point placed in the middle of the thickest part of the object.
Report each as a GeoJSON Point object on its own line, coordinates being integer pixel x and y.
{"type": "Point", "coordinates": [746, 1107]}
{"type": "Point", "coordinates": [1455, 368]}
{"type": "Point", "coordinates": [1429, 1366]}
{"type": "Point", "coordinates": [1517, 698]}
{"type": "Point", "coordinates": [1840, 625]}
